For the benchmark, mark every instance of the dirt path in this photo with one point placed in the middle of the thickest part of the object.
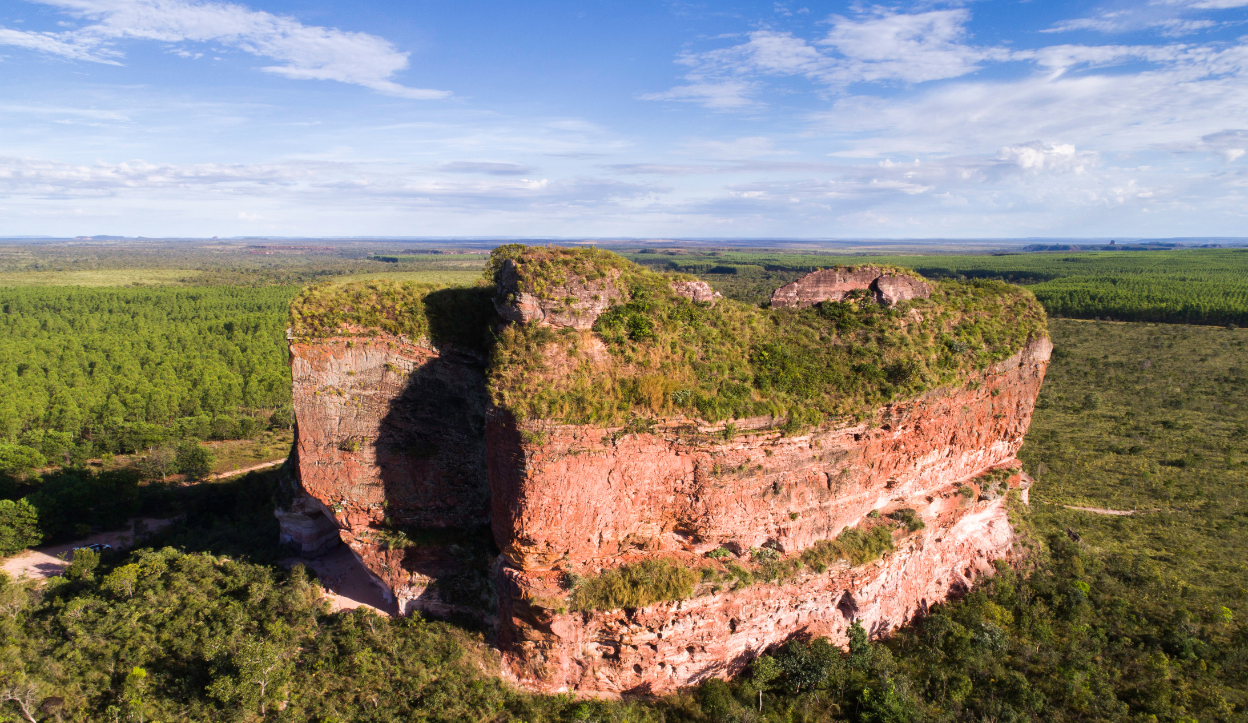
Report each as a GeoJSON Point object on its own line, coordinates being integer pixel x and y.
{"type": "Point", "coordinates": [1100, 510]}
{"type": "Point", "coordinates": [41, 563]}
{"type": "Point", "coordinates": [245, 470]}
{"type": "Point", "coordinates": [347, 584]}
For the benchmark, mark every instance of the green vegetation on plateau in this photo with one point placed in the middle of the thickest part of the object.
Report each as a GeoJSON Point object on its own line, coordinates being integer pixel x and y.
{"type": "Point", "coordinates": [732, 360]}
{"type": "Point", "coordinates": [1193, 286]}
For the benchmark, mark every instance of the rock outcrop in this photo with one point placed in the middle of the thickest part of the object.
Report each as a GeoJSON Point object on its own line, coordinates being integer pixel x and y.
{"type": "Point", "coordinates": [888, 288]}
{"type": "Point", "coordinates": [571, 302]}
{"type": "Point", "coordinates": [404, 453]}
{"type": "Point", "coordinates": [698, 292]}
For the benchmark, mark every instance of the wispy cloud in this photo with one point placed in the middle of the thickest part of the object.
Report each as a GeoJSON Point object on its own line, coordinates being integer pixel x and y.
{"type": "Point", "coordinates": [493, 169]}
{"type": "Point", "coordinates": [877, 46]}
{"type": "Point", "coordinates": [304, 52]}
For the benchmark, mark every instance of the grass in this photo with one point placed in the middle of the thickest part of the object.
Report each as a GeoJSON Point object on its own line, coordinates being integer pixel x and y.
{"type": "Point", "coordinates": [99, 277]}
{"type": "Point", "coordinates": [437, 277]}
{"type": "Point", "coordinates": [391, 306]}
{"type": "Point", "coordinates": [1151, 418]}
{"type": "Point", "coordinates": [671, 357]}
{"type": "Point", "coordinates": [634, 585]}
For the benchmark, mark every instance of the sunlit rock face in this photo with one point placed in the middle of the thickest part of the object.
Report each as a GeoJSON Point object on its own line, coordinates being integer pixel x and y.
{"type": "Point", "coordinates": [838, 284]}
{"type": "Point", "coordinates": [587, 499]}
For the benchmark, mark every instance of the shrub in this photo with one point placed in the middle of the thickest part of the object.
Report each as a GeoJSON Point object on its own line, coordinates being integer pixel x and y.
{"type": "Point", "coordinates": [855, 545]}
{"type": "Point", "coordinates": [635, 585]}
{"type": "Point", "coordinates": [909, 518]}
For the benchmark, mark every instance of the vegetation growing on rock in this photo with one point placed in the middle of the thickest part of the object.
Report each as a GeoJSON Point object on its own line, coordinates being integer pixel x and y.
{"type": "Point", "coordinates": [670, 356]}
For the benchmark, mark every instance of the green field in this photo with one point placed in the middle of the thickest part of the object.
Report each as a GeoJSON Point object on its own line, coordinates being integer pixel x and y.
{"type": "Point", "coordinates": [99, 277]}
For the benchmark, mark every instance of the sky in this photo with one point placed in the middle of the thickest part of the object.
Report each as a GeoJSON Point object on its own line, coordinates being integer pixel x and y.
{"type": "Point", "coordinates": [624, 118]}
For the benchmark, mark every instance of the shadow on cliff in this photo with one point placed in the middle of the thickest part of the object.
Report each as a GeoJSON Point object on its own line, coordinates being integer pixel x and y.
{"type": "Point", "coordinates": [432, 458]}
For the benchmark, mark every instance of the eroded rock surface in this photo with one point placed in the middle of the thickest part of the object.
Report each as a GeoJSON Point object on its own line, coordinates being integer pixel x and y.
{"type": "Point", "coordinates": [698, 292]}
{"type": "Point", "coordinates": [574, 301]}
{"type": "Point", "coordinates": [668, 645]}
{"type": "Point", "coordinates": [838, 284]}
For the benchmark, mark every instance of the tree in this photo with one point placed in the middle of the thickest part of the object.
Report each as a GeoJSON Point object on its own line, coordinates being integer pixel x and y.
{"type": "Point", "coordinates": [161, 461]}
{"type": "Point", "coordinates": [16, 460]}
{"type": "Point", "coordinates": [264, 667]}
{"type": "Point", "coordinates": [19, 526]}
{"type": "Point", "coordinates": [194, 460]}
{"type": "Point", "coordinates": [122, 580]}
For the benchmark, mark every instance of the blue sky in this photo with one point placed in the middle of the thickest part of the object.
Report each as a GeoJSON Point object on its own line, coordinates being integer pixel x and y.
{"type": "Point", "coordinates": [602, 118]}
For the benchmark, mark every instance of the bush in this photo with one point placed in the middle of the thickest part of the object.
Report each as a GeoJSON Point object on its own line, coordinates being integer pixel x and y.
{"type": "Point", "coordinates": [194, 460]}
{"type": "Point", "coordinates": [909, 518]}
{"type": "Point", "coordinates": [854, 545]}
{"type": "Point", "coordinates": [72, 499]}
{"type": "Point", "coordinates": [635, 585]}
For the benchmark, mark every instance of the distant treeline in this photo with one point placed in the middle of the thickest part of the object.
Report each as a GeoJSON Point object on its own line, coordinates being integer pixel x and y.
{"type": "Point", "coordinates": [117, 370]}
{"type": "Point", "coordinates": [1185, 286]}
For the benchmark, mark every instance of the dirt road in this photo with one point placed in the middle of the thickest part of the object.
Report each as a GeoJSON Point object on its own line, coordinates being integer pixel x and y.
{"type": "Point", "coordinates": [44, 562]}
{"type": "Point", "coordinates": [1100, 510]}
{"type": "Point", "coordinates": [245, 470]}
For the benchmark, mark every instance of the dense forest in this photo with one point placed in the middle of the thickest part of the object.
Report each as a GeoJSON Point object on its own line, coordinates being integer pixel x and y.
{"type": "Point", "coordinates": [119, 370]}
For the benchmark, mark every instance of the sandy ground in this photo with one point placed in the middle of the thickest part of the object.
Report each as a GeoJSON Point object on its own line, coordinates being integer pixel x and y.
{"type": "Point", "coordinates": [236, 472]}
{"type": "Point", "coordinates": [1100, 510]}
{"type": "Point", "coordinates": [347, 584]}
{"type": "Point", "coordinates": [44, 562]}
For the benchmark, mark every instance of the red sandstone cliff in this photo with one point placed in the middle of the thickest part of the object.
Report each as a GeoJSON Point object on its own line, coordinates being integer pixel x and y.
{"type": "Point", "coordinates": [390, 438]}
{"type": "Point", "coordinates": [589, 498]}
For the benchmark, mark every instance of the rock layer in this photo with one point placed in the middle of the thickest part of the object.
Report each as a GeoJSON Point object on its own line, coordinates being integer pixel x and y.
{"type": "Point", "coordinates": [668, 645]}
{"type": "Point", "coordinates": [401, 455]}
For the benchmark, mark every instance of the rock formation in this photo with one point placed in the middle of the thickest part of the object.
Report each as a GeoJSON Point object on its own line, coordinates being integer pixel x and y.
{"type": "Point", "coordinates": [400, 439]}
{"type": "Point", "coordinates": [886, 287]}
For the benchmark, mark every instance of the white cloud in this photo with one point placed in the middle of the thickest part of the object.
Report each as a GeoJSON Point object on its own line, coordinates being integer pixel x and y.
{"type": "Point", "coordinates": [1037, 156]}
{"type": "Point", "coordinates": [1229, 144]}
{"type": "Point", "coordinates": [908, 47]}
{"type": "Point", "coordinates": [55, 44]}
{"type": "Point", "coordinates": [721, 94]}
{"type": "Point", "coordinates": [303, 52]}
{"type": "Point", "coordinates": [879, 46]}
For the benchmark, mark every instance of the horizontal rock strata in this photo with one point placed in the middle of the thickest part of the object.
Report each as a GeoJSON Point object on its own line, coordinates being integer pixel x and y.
{"type": "Point", "coordinates": [586, 499]}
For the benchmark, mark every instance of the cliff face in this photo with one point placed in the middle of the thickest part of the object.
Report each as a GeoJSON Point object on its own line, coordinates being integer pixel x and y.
{"type": "Point", "coordinates": [390, 438]}
{"type": "Point", "coordinates": [585, 499]}
{"type": "Point", "coordinates": [404, 455]}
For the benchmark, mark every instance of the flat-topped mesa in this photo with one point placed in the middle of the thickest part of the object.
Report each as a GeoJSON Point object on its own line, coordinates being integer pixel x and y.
{"type": "Point", "coordinates": [888, 287]}
{"type": "Point", "coordinates": [676, 481]}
